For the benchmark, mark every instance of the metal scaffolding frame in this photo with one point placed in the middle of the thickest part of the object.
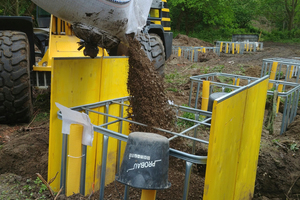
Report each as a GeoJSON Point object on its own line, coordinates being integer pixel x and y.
{"type": "Point", "coordinates": [191, 53]}
{"type": "Point", "coordinates": [289, 96]}
{"type": "Point", "coordinates": [188, 157]}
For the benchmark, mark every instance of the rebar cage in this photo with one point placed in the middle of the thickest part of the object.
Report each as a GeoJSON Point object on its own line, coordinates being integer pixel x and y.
{"type": "Point", "coordinates": [281, 68]}
{"type": "Point", "coordinates": [238, 47]}
{"type": "Point", "coordinates": [222, 82]}
{"type": "Point", "coordinates": [188, 133]}
{"type": "Point", "coordinates": [191, 53]}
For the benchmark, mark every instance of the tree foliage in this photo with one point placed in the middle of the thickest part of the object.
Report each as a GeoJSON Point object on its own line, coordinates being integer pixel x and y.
{"type": "Point", "coordinates": [16, 7]}
{"type": "Point", "coordinates": [234, 16]}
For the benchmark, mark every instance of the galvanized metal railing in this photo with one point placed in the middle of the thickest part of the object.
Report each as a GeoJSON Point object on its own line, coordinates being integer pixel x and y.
{"type": "Point", "coordinates": [290, 96]}
{"type": "Point", "coordinates": [191, 53]}
{"type": "Point", "coordinates": [103, 129]}
{"type": "Point", "coordinates": [281, 68]}
{"type": "Point", "coordinates": [238, 47]}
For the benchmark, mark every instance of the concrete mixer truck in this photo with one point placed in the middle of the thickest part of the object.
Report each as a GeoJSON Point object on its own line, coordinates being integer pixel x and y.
{"type": "Point", "coordinates": [26, 52]}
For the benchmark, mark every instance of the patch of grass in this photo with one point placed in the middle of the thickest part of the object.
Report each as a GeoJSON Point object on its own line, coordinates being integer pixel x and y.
{"type": "Point", "coordinates": [294, 147]}
{"type": "Point", "coordinates": [172, 89]}
{"type": "Point", "coordinates": [188, 115]}
{"type": "Point", "coordinates": [40, 184]}
{"type": "Point", "coordinates": [225, 79]}
{"type": "Point", "coordinates": [242, 70]}
{"type": "Point", "coordinates": [218, 68]}
{"type": "Point", "coordinates": [193, 66]}
{"type": "Point", "coordinates": [42, 116]}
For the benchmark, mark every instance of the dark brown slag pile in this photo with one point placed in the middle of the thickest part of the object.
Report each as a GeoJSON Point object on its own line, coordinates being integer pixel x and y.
{"type": "Point", "coordinates": [149, 104]}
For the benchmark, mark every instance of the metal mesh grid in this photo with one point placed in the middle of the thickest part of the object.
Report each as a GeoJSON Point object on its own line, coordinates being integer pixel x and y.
{"type": "Point", "coordinates": [222, 82]}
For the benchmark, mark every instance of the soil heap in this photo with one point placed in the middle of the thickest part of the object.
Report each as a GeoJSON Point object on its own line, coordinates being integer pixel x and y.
{"type": "Point", "coordinates": [184, 40]}
{"type": "Point", "coordinates": [149, 104]}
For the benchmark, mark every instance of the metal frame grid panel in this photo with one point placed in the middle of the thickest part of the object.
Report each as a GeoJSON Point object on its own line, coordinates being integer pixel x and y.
{"type": "Point", "coordinates": [289, 96]}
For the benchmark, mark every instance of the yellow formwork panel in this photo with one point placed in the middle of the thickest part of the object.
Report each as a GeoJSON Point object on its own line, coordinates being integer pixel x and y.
{"type": "Point", "coordinates": [250, 140]}
{"type": "Point", "coordinates": [79, 81]}
{"type": "Point", "coordinates": [234, 144]}
{"type": "Point", "coordinates": [223, 149]}
{"type": "Point", "coordinates": [115, 71]}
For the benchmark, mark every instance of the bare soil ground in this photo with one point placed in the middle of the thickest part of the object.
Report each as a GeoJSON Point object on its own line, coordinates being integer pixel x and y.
{"type": "Point", "coordinates": [24, 147]}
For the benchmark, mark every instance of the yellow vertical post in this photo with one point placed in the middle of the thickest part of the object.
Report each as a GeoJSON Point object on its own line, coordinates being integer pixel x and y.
{"type": "Point", "coordinates": [193, 54]}
{"type": "Point", "coordinates": [74, 159]}
{"type": "Point", "coordinates": [273, 73]}
{"type": "Point", "coordinates": [232, 48]}
{"type": "Point", "coordinates": [247, 47]}
{"type": "Point", "coordinates": [280, 86]}
{"type": "Point", "coordinates": [179, 52]}
{"type": "Point", "coordinates": [58, 26]}
{"type": "Point", "coordinates": [203, 50]}
{"type": "Point", "coordinates": [237, 82]}
{"type": "Point", "coordinates": [148, 195]}
{"type": "Point", "coordinates": [291, 72]}
{"type": "Point", "coordinates": [205, 95]}
{"type": "Point", "coordinates": [227, 47]}
{"type": "Point", "coordinates": [238, 48]}
{"type": "Point", "coordinates": [221, 47]}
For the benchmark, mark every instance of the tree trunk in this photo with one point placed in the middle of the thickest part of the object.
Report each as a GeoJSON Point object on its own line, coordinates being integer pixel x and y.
{"type": "Point", "coordinates": [17, 7]}
{"type": "Point", "coordinates": [291, 12]}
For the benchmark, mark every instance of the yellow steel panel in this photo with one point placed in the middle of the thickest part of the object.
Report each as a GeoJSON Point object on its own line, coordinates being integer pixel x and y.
{"type": "Point", "coordinates": [154, 13]}
{"type": "Point", "coordinates": [280, 86]}
{"type": "Point", "coordinates": [250, 140]}
{"type": "Point", "coordinates": [42, 69]}
{"type": "Point", "coordinates": [165, 9]}
{"type": "Point", "coordinates": [224, 143]}
{"type": "Point", "coordinates": [205, 95]}
{"type": "Point", "coordinates": [156, 22]}
{"type": "Point", "coordinates": [71, 85]}
{"type": "Point", "coordinates": [165, 19]}
{"type": "Point", "coordinates": [74, 159]}
{"type": "Point", "coordinates": [73, 82]}
{"type": "Point", "coordinates": [167, 28]}
{"type": "Point", "coordinates": [273, 73]}
{"type": "Point", "coordinates": [291, 71]}
{"type": "Point", "coordinates": [115, 71]}
{"type": "Point", "coordinates": [63, 46]}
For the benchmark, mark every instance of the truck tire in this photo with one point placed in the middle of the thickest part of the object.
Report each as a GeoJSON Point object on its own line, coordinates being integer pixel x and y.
{"type": "Point", "coordinates": [154, 49]}
{"type": "Point", "coordinates": [158, 53]}
{"type": "Point", "coordinates": [15, 91]}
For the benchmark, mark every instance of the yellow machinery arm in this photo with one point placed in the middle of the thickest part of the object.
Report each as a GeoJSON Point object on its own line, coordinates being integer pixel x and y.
{"type": "Point", "coordinates": [62, 43]}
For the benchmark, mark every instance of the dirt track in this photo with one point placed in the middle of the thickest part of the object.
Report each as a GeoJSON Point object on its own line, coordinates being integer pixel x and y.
{"type": "Point", "coordinates": [24, 153]}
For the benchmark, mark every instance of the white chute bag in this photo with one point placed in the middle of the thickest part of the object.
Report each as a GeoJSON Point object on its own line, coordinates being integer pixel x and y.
{"type": "Point", "coordinates": [102, 23]}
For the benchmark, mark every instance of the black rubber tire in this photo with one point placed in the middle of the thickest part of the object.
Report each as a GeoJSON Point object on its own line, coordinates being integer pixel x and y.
{"type": "Point", "coordinates": [158, 53]}
{"type": "Point", "coordinates": [15, 91]}
{"type": "Point", "coordinates": [154, 49]}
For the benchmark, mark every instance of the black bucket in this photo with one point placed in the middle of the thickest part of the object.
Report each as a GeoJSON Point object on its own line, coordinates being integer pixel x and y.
{"type": "Point", "coordinates": [146, 162]}
{"type": "Point", "coordinates": [212, 98]}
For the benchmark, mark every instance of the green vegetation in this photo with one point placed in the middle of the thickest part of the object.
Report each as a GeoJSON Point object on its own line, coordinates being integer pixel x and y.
{"type": "Point", "coordinates": [42, 116]}
{"type": "Point", "coordinates": [188, 115]}
{"type": "Point", "coordinates": [294, 147]}
{"type": "Point", "coordinates": [275, 20]}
